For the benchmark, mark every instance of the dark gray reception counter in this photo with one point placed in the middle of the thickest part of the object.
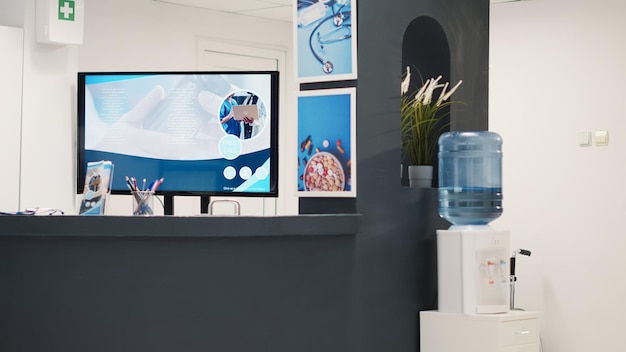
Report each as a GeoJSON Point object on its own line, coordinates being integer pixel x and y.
{"type": "Point", "coordinates": [71, 283]}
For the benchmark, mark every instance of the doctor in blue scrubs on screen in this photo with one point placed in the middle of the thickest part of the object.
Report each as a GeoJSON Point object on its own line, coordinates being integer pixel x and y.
{"type": "Point", "coordinates": [227, 117]}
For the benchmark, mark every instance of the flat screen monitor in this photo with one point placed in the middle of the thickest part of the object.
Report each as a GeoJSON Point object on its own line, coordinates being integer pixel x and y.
{"type": "Point", "coordinates": [182, 127]}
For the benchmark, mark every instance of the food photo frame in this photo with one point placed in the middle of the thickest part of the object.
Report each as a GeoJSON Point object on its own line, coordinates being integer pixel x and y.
{"type": "Point", "coordinates": [327, 143]}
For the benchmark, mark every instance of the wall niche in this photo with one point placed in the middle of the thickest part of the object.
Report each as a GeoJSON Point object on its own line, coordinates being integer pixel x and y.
{"type": "Point", "coordinates": [425, 50]}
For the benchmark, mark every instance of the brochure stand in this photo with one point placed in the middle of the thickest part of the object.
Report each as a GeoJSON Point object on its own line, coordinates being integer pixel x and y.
{"type": "Point", "coordinates": [98, 180]}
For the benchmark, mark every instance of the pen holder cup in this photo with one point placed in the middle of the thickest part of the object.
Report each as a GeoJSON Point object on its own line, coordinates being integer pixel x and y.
{"type": "Point", "coordinates": [143, 203]}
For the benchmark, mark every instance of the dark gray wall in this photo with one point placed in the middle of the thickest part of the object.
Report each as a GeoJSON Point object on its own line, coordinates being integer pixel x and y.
{"type": "Point", "coordinates": [396, 250]}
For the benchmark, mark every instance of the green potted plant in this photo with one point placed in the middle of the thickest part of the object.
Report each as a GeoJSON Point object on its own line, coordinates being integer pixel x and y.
{"type": "Point", "coordinates": [421, 125]}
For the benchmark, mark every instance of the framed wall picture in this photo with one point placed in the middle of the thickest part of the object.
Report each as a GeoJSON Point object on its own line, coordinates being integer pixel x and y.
{"type": "Point", "coordinates": [325, 35]}
{"type": "Point", "coordinates": [327, 143]}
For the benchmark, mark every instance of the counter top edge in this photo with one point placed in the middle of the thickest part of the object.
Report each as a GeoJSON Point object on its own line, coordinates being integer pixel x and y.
{"type": "Point", "coordinates": [180, 226]}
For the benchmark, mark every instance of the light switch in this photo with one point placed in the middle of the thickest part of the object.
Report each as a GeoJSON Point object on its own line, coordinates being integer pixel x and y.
{"type": "Point", "coordinates": [601, 138]}
{"type": "Point", "coordinates": [584, 139]}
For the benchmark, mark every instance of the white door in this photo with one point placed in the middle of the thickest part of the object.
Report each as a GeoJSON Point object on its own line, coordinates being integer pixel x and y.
{"type": "Point", "coordinates": [211, 60]}
{"type": "Point", "coordinates": [213, 55]}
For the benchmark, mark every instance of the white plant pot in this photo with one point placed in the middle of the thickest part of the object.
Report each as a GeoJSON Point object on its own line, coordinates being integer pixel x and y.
{"type": "Point", "coordinates": [420, 176]}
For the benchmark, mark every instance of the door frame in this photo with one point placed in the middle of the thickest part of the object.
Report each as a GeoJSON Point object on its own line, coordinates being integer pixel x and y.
{"type": "Point", "coordinates": [287, 201]}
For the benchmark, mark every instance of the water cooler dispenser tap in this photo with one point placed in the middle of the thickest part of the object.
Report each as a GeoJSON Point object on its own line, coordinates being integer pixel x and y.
{"type": "Point", "coordinates": [513, 277]}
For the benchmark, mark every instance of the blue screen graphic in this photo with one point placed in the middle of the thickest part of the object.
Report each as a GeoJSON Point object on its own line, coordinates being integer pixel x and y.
{"type": "Point", "coordinates": [203, 132]}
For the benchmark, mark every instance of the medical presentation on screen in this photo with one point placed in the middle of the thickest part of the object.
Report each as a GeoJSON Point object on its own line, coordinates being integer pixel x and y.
{"type": "Point", "coordinates": [201, 132]}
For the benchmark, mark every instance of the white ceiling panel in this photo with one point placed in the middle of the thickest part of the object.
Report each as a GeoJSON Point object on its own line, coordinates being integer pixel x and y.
{"type": "Point", "coordinates": [280, 2]}
{"type": "Point", "coordinates": [271, 9]}
{"type": "Point", "coordinates": [280, 10]}
{"type": "Point", "coordinates": [282, 13]}
{"type": "Point", "coordinates": [227, 6]}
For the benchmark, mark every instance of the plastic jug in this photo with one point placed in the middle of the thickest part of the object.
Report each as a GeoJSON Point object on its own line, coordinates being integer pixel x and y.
{"type": "Point", "coordinates": [470, 177]}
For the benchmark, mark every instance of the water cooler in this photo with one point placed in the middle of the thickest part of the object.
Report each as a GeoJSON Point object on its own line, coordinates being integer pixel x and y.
{"type": "Point", "coordinates": [474, 263]}
{"type": "Point", "coordinates": [472, 258]}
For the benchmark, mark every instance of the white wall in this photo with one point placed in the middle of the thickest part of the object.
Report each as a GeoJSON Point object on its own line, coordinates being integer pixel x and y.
{"type": "Point", "coordinates": [118, 35]}
{"type": "Point", "coordinates": [46, 121]}
{"type": "Point", "coordinates": [142, 35]}
{"type": "Point", "coordinates": [12, 13]}
{"type": "Point", "coordinates": [150, 35]}
{"type": "Point", "coordinates": [11, 47]}
{"type": "Point", "coordinates": [557, 68]}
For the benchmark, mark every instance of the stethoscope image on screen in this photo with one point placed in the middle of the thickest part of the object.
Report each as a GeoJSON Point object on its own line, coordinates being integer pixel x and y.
{"type": "Point", "coordinates": [340, 32]}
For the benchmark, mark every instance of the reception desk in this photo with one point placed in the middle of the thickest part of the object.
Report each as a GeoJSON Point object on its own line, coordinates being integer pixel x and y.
{"type": "Point", "coordinates": [72, 283]}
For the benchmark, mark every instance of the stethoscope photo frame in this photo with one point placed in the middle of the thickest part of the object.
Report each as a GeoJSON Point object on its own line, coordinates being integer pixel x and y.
{"type": "Point", "coordinates": [325, 40]}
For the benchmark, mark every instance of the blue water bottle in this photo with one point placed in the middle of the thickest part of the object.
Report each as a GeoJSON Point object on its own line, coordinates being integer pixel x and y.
{"type": "Point", "coordinates": [470, 177]}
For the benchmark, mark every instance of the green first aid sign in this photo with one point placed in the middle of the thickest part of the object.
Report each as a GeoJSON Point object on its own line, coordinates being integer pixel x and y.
{"type": "Point", "coordinates": [66, 10]}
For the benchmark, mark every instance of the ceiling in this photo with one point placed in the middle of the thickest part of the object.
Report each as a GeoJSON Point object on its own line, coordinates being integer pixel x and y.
{"type": "Point", "coordinates": [280, 10]}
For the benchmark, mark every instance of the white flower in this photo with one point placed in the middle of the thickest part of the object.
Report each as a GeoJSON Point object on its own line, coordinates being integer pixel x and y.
{"type": "Point", "coordinates": [431, 85]}
{"type": "Point", "coordinates": [443, 91]}
{"type": "Point", "coordinates": [420, 93]}
{"type": "Point", "coordinates": [404, 87]}
{"type": "Point", "coordinates": [425, 94]}
{"type": "Point", "coordinates": [445, 96]}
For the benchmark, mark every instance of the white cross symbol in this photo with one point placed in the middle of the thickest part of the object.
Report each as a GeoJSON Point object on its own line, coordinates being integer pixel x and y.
{"type": "Point", "coordinates": [66, 9]}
